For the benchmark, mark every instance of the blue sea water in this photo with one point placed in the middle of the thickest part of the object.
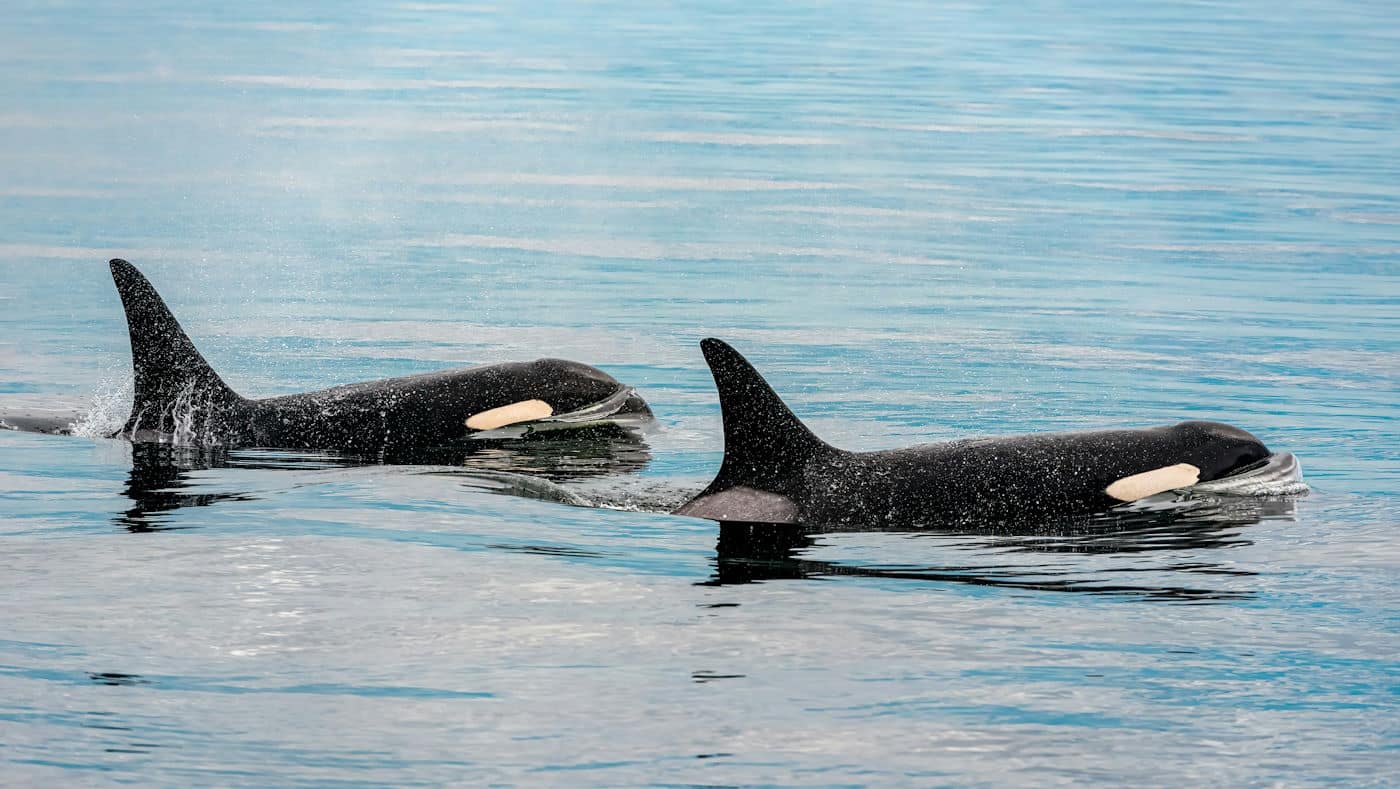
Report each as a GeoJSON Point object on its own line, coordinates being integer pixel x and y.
{"type": "Point", "coordinates": [920, 221]}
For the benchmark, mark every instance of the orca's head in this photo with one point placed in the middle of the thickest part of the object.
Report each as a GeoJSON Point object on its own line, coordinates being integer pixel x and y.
{"type": "Point", "coordinates": [568, 385]}
{"type": "Point", "coordinates": [550, 389]}
{"type": "Point", "coordinates": [1220, 450]}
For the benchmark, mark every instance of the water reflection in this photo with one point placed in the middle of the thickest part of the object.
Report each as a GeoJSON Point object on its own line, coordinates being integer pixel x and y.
{"type": "Point", "coordinates": [1165, 552]}
{"type": "Point", "coordinates": [160, 483]}
{"type": "Point", "coordinates": [598, 450]}
{"type": "Point", "coordinates": [166, 478]}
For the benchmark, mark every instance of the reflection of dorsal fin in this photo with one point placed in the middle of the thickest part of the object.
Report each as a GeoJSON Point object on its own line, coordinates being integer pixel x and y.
{"type": "Point", "coordinates": [167, 366]}
{"type": "Point", "coordinates": [765, 445]}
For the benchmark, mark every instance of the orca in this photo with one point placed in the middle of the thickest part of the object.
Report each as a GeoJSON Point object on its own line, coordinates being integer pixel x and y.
{"type": "Point", "coordinates": [33, 421]}
{"type": "Point", "coordinates": [179, 398]}
{"type": "Point", "coordinates": [775, 470]}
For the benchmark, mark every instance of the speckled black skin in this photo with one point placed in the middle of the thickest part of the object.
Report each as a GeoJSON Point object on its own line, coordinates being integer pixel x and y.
{"type": "Point", "coordinates": [173, 381]}
{"type": "Point", "coordinates": [775, 470]}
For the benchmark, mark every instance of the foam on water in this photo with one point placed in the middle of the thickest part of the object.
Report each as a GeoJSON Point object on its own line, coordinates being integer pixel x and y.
{"type": "Point", "coordinates": [1280, 475]}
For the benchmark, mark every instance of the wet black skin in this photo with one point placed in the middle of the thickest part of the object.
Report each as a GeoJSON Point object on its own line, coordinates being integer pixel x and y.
{"type": "Point", "coordinates": [388, 415]}
{"type": "Point", "coordinates": [418, 410]}
{"type": "Point", "coordinates": [1004, 478]}
{"type": "Point", "coordinates": [776, 470]}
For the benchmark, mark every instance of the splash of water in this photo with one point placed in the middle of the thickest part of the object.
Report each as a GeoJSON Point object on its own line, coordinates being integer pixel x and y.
{"type": "Point", "coordinates": [106, 413]}
{"type": "Point", "coordinates": [184, 415]}
{"type": "Point", "coordinates": [1280, 475]}
{"type": "Point", "coordinates": [189, 416]}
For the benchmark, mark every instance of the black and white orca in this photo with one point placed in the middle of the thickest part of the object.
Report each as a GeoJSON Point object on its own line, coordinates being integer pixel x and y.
{"type": "Point", "coordinates": [180, 399]}
{"type": "Point", "coordinates": [775, 470]}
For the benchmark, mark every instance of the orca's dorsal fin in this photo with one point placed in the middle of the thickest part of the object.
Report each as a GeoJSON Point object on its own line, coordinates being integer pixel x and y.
{"type": "Point", "coordinates": [167, 366]}
{"type": "Point", "coordinates": [765, 446]}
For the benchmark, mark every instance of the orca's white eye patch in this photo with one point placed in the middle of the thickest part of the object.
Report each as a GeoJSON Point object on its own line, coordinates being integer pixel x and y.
{"type": "Point", "coordinates": [1158, 480]}
{"type": "Point", "coordinates": [523, 411]}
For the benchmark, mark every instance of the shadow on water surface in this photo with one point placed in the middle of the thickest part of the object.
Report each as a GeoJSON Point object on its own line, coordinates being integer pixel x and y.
{"type": "Point", "coordinates": [116, 679]}
{"type": "Point", "coordinates": [165, 478]}
{"type": "Point", "coordinates": [1161, 548]}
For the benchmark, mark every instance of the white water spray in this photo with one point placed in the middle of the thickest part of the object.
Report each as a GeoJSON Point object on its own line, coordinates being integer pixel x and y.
{"type": "Point", "coordinates": [106, 413]}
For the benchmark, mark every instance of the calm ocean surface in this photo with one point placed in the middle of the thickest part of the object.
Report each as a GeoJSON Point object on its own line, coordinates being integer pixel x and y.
{"type": "Point", "coordinates": [920, 222]}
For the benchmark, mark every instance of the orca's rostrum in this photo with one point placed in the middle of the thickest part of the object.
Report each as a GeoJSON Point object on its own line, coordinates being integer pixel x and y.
{"type": "Point", "coordinates": [775, 470]}
{"type": "Point", "coordinates": [180, 399]}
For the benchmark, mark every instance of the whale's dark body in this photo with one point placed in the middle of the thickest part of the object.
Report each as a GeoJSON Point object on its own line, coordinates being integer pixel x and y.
{"type": "Point", "coordinates": [775, 470]}
{"type": "Point", "coordinates": [179, 396]}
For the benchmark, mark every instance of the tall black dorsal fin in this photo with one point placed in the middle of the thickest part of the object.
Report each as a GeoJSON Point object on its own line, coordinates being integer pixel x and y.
{"type": "Point", "coordinates": [168, 368]}
{"type": "Point", "coordinates": [765, 446]}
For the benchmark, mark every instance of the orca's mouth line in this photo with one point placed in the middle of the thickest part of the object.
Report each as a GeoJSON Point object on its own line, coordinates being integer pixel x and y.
{"type": "Point", "coordinates": [588, 414]}
{"type": "Point", "coordinates": [595, 411]}
{"type": "Point", "coordinates": [1279, 474]}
